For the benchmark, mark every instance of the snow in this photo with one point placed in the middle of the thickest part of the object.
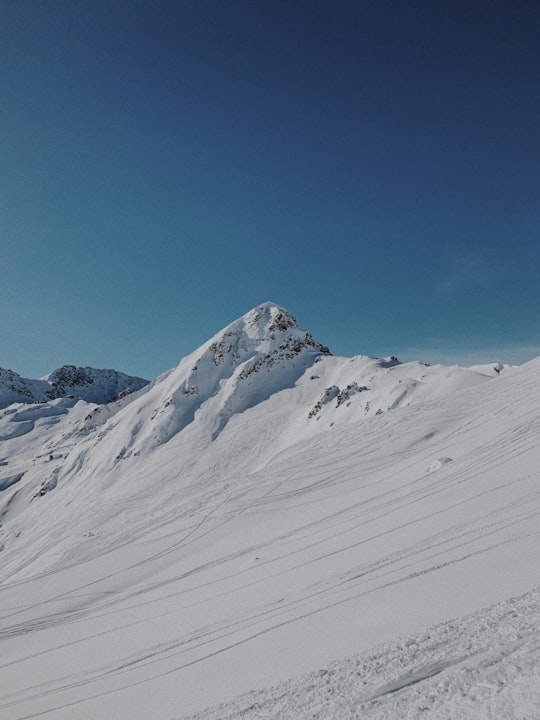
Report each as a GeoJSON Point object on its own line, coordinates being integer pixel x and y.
{"type": "Point", "coordinates": [209, 535]}
{"type": "Point", "coordinates": [100, 386]}
{"type": "Point", "coordinates": [484, 665]}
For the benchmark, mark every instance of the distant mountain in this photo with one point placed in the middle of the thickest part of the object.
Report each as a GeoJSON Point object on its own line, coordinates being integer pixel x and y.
{"type": "Point", "coordinates": [262, 369]}
{"type": "Point", "coordinates": [86, 383]}
{"type": "Point", "coordinates": [256, 512]}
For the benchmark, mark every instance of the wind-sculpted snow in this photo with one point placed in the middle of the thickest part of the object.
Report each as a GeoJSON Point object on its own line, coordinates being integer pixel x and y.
{"type": "Point", "coordinates": [477, 667]}
{"type": "Point", "coordinates": [209, 536]}
{"type": "Point", "coordinates": [8, 480]}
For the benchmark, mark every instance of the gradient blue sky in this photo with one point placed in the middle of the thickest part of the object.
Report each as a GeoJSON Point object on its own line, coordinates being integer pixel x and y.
{"type": "Point", "coordinates": [165, 166]}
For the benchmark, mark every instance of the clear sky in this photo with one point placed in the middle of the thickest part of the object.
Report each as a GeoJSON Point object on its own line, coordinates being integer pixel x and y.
{"type": "Point", "coordinates": [372, 166]}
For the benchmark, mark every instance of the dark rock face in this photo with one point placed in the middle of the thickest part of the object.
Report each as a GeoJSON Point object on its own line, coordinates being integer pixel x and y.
{"type": "Point", "coordinates": [86, 383]}
{"type": "Point", "coordinates": [71, 376]}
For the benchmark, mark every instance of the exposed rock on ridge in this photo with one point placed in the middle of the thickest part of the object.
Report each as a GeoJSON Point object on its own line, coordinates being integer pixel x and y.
{"type": "Point", "coordinates": [254, 357]}
{"type": "Point", "coordinates": [86, 383]}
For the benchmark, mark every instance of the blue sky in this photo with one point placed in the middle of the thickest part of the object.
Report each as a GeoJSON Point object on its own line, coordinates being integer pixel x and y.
{"type": "Point", "coordinates": [371, 166]}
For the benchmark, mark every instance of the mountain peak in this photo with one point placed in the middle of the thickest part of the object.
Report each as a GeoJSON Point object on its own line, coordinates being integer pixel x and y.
{"type": "Point", "coordinates": [270, 328]}
{"type": "Point", "coordinates": [257, 355]}
{"type": "Point", "coordinates": [271, 316]}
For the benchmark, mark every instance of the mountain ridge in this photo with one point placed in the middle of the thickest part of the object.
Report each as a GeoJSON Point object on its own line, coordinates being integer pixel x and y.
{"type": "Point", "coordinates": [85, 383]}
{"type": "Point", "coordinates": [261, 377]}
{"type": "Point", "coordinates": [254, 513]}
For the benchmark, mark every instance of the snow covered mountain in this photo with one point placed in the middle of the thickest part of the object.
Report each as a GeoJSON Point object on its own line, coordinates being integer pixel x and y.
{"type": "Point", "coordinates": [255, 513]}
{"type": "Point", "coordinates": [98, 386]}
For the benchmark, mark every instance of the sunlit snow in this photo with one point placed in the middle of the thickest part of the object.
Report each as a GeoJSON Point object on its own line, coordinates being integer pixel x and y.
{"type": "Point", "coordinates": [360, 534]}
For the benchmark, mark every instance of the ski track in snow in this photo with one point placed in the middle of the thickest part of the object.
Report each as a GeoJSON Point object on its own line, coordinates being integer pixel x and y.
{"type": "Point", "coordinates": [159, 579]}
{"type": "Point", "coordinates": [481, 666]}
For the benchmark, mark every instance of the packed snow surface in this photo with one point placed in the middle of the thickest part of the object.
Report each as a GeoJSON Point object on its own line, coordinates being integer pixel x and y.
{"type": "Point", "coordinates": [484, 665]}
{"type": "Point", "coordinates": [261, 511]}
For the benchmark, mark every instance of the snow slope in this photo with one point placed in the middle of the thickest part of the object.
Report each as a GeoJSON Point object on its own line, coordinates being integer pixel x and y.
{"type": "Point", "coordinates": [257, 512]}
{"type": "Point", "coordinates": [484, 665]}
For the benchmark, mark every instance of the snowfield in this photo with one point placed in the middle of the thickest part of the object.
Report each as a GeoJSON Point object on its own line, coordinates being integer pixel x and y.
{"type": "Point", "coordinates": [483, 666]}
{"type": "Point", "coordinates": [258, 513]}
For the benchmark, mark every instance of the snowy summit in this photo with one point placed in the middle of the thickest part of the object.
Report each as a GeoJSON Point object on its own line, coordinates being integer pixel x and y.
{"type": "Point", "coordinates": [271, 530]}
